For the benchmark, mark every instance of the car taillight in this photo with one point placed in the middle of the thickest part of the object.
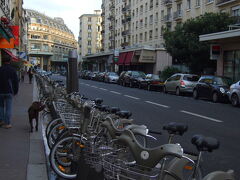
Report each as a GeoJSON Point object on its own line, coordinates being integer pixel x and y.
{"type": "Point", "coordinates": [155, 82]}
{"type": "Point", "coordinates": [182, 83]}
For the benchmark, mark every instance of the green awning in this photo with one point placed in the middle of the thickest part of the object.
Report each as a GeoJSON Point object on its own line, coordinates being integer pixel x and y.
{"type": "Point", "coordinates": [4, 34]}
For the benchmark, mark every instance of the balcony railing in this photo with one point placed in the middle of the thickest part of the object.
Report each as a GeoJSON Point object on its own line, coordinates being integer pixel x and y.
{"type": "Point", "coordinates": [126, 32]}
{"type": "Point", "coordinates": [112, 6]}
{"type": "Point", "coordinates": [168, 18]}
{"type": "Point", "coordinates": [126, 20]}
{"type": "Point", "coordinates": [125, 44]}
{"type": "Point", "coordinates": [5, 8]}
{"type": "Point", "coordinates": [177, 15]}
{"type": "Point", "coordinates": [126, 8]}
{"type": "Point", "coordinates": [223, 2]}
{"type": "Point", "coordinates": [111, 17]}
{"type": "Point", "coordinates": [110, 27]}
{"type": "Point", "coordinates": [167, 2]}
{"type": "Point", "coordinates": [40, 52]}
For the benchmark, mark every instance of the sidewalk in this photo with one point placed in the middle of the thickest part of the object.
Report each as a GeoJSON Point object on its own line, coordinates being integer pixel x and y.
{"type": "Point", "coordinates": [21, 153]}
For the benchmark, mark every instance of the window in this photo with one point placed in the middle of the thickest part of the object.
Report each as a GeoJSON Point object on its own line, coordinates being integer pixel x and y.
{"type": "Point", "coordinates": [151, 19]}
{"type": "Point", "coordinates": [89, 43]}
{"type": "Point", "coordinates": [89, 19]}
{"type": "Point", "coordinates": [141, 37]}
{"type": "Point", "coordinates": [141, 23]}
{"type": "Point", "coordinates": [146, 38]}
{"type": "Point", "coordinates": [236, 11]}
{"type": "Point", "coordinates": [89, 35]}
{"type": "Point", "coordinates": [39, 21]}
{"type": "Point", "coordinates": [45, 37]}
{"type": "Point", "coordinates": [89, 27]}
{"type": "Point", "coordinates": [197, 3]}
{"type": "Point", "coordinates": [89, 51]}
{"type": "Point", "coordinates": [188, 4]}
{"type": "Point", "coordinates": [146, 7]}
{"type": "Point", "coordinates": [141, 9]}
{"type": "Point", "coordinates": [35, 36]}
{"type": "Point", "coordinates": [35, 46]}
{"type": "Point", "coordinates": [145, 21]}
{"type": "Point", "coordinates": [45, 47]}
{"type": "Point", "coordinates": [162, 14]}
{"type": "Point", "coordinates": [151, 5]}
{"type": "Point", "coordinates": [156, 33]}
{"type": "Point", "coordinates": [150, 34]}
{"type": "Point", "coordinates": [156, 17]}
{"type": "Point", "coordinates": [208, 1]}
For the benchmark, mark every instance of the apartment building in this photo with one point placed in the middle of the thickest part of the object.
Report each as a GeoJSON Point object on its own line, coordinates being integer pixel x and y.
{"type": "Point", "coordinates": [49, 41]}
{"type": "Point", "coordinates": [90, 37]}
{"type": "Point", "coordinates": [11, 28]}
{"type": "Point", "coordinates": [134, 28]}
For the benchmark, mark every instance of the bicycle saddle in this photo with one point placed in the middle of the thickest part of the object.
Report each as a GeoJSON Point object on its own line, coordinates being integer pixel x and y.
{"type": "Point", "coordinates": [124, 114]}
{"type": "Point", "coordinates": [113, 110]}
{"type": "Point", "coordinates": [98, 101]}
{"type": "Point", "coordinates": [205, 143]}
{"type": "Point", "coordinates": [175, 128]}
{"type": "Point", "coordinates": [148, 157]}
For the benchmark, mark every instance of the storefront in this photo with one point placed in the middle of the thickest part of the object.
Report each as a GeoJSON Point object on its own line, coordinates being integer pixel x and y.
{"type": "Point", "coordinates": [228, 61]}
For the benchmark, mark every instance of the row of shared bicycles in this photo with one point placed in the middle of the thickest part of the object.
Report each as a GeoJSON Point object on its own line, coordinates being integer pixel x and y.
{"type": "Point", "coordinates": [107, 140]}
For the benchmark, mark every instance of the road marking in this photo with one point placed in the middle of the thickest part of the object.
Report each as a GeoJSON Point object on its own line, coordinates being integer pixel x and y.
{"type": "Point", "coordinates": [94, 86]}
{"type": "Point", "coordinates": [103, 89]}
{"type": "Point", "coordinates": [114, 92]}
{"type": "Point", "coordinates": [132, 97]}
{"type": "Point", "coordinates": [82, 83]}
{"type": "Point", "coordinates": [201, 116]}
{"type": "Point", "coordinates": [87, 84]}
{"type": "Point", "coordinates": [161, 105]}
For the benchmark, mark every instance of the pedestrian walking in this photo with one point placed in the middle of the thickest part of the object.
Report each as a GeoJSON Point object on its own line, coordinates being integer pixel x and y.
{"type": "Point", "coordinates": [8, 88]}
{"type": "Point", "coordinates": [30, 75]}
{"type": "Point", "coordinates": [22, 75]}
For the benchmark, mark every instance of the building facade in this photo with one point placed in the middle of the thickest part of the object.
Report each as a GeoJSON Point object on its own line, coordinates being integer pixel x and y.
{"type": "Point", "coordinates": [11, 28]}
{"type": "Point", "coordinates": [130, 25]}
{"type": "Point", "coordinates": [49, 41]}
{"type": "Point", "coordinates": [90, 37]}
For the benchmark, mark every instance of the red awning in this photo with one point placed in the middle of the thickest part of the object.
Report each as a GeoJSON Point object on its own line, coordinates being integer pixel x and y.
{"type": "Point", "coordinates": [14, 58]}
{"type": "Point", "coordinates": [121, 59]}
{"type": "Point", "coordinates": [129, 57]}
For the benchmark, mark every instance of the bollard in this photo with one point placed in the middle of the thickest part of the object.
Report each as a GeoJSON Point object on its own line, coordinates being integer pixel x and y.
{"type": "Point", "coordinates": [72, 74]}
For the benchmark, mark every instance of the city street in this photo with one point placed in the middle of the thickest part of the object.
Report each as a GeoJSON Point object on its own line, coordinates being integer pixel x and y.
{"type": "Point", "coordinates": [155, 109]}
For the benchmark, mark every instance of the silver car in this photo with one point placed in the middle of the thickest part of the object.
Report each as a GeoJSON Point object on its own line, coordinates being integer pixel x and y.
{"type": "Point", "coordinates": [234, 94]}
{"type": "Point", "coordinates": [180, 83]}
{"type": "Point", "coordinates": [111, 77]}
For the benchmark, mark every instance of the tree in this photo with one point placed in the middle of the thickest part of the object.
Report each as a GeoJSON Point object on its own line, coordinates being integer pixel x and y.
{"type": "Point", "coordinates": [183, 43]}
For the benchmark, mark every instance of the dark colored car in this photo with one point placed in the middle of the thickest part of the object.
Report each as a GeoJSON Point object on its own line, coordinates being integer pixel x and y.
{"type": "Point", "coordinates": [152, 81]}
{"type": "Point", "coordinates": [100, 76]}
{"type": "Point", "coordinates": [120, 79]}
{"type": "Point", "coordinates": [214, 88]}
{"type": "Point", "coordinates": [133, 78]}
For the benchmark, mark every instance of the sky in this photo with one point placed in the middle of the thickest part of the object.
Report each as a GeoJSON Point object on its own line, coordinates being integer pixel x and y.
{"type": "Point", "coordinates": [69, 10]}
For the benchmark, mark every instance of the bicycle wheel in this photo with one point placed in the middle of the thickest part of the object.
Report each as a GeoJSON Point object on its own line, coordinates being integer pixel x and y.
{"type": "Point", "coordinates": [64, 156]}
{"type": "Point", "coordinates": [54, 134]}
{"type": "Point", "coordinates": [52, 124]}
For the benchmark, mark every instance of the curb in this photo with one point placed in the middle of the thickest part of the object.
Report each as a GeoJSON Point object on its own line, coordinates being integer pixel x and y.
{"type": "Point", "coordinates": [36, 168]}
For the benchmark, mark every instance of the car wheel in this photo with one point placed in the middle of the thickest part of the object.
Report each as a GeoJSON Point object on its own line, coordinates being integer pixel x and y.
{"type": "Point", "coordinates": [215, 97]}
{"type": "Point", "coordinates": [164, 89]}
{"type": "Point", "coordinates": [195, 94]}
{"type": "Point", "coordinates": [234, 100]}
{"type": "Point", "coordinates": [149, 87]}
{"type": "Point", "coordinates": [178, 93]}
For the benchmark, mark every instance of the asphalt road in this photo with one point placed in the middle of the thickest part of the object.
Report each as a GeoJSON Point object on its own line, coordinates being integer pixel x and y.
{"type": "Point", "coordinates": [155, 109]}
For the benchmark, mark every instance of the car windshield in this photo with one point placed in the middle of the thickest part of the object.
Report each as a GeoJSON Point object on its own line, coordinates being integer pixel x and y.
{"type": "Point", "coordinates": [222, 81]}
{"type": "Point", "coordinates": [191, 78]}
{"type": "Point", "coordinates": [113, 74]}
{"type": "Point", "coordinates": [155, 77]}
{"type": "Point", "coordinates": [138, 74]}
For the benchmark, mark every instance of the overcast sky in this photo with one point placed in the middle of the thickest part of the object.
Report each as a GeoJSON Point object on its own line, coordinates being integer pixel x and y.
{"type": "Point", "coordinates": [69, 10]}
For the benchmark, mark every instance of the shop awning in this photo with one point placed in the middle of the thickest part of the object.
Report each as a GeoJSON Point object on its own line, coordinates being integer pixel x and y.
{"type": "Point", "coordinates": [121, 59]}
{"type": "Point", "coordinates": [14, 58]}
{"type": "Point", "coordinates": [129, 57]}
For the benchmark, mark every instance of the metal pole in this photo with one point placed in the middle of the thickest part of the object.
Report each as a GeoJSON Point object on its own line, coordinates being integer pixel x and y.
{"type": "Point", "coordinates": [72, 74]}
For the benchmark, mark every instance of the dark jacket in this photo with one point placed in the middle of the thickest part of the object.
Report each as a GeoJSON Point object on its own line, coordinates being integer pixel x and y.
{"type": "Point", "coordinates": [8, 80]}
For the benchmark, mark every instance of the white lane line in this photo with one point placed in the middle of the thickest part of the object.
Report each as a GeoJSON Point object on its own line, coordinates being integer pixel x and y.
{"type": "Point", "coordinates": [114, 92]}
{"type": "Point", "coordinates": [201, 116]}
{"type": "Point", "coordinates": [161, 105]}
{"type": "Point", "coordinates": [87, 84]}
{"type": "Point", "coordinates": [132, 97]}
{"type": "Point", "coordinates": [94, 86]}
{"type": "Point", "coordinates": [103, 89]}
{"type": "Point", "coordinates": [82, 83]}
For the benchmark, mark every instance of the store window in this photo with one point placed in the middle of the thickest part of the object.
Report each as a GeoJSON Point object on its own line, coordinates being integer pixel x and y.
{"type": "Point", "coordinates": [232, 64]}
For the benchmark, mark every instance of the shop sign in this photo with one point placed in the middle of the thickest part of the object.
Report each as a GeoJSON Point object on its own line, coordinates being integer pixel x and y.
{"type": "Point", "coordinates": [215, 51]}
{"type": "Point", "coordinates": [147, 57]}
{"type": "Point", "coordinates": [15, 32]}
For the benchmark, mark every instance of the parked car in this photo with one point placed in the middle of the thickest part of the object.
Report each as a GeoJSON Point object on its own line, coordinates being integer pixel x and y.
{"type": "Point", "coordinates": [180, 83]}
{"type": "Point", "coordinates": [120, 79]}
{"type": "Point", "coordinates": [234, 94]}
{"type": "Point", "coordinates": [133, 78]}
{"type": "Point", "coordinates": [111, 77]}
{"type": "Point", "coordinates": [93, 75]}
{"type": "Point", "coordinates": [214, 88]}
{"type": "Point", "coordinates": [152, 81]}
